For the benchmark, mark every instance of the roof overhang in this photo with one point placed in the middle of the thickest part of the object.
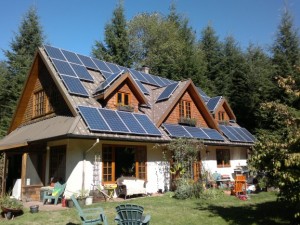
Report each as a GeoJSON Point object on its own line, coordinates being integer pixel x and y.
{"type": "Point", "coordinates": [45, 129]}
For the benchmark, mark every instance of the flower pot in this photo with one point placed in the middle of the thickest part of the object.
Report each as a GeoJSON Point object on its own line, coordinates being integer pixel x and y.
{"type": "Point", "coordinates": [34, 208]}
{"type": "Point", "coordinates": [70, 203]}
{"type": "Point", "coordinates": [89, 200]}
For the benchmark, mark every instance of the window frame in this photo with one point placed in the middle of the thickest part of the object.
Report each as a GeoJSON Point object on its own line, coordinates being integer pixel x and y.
{"type": "Point", "coordinates": [39, 103]}
{"type": "Point", "coordinates": [140, 156]}
{"type": "Point", "coordinates": [123, 98]}
{"type": "Point", "coordinates": [185, 109]}
{"type": "Point", "coordinates": [223, 155]}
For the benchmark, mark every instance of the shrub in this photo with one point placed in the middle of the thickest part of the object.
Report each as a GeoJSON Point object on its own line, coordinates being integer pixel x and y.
{"type": "Point", "coordinates": [187, 188]}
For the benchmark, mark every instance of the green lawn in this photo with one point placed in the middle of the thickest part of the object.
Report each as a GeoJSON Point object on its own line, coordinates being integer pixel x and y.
{"type": "Point", "coordinates": [259, 209]}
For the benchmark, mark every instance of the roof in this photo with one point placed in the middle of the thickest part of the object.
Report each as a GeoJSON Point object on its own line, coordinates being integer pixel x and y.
{"type": "Point", "coordinates": [67, 71]}
{"type": "Point", "coordinates": [45, 129]}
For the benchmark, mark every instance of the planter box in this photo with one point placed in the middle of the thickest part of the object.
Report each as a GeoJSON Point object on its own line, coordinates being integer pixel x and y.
{"type": "Point", "coordinates": [127, 108]}
{"type": "Point", "coordinates": [187, 121]}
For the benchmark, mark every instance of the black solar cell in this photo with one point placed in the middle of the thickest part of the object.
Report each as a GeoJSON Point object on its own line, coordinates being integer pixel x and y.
{"type": "Point", "coordinates": [176, 130]}
{"type": "Point", "coordinates": [74, 85]}
{"type": "Point", "coordinates": [147, 124]}
{"type": "Point", "coordinates": [63, 67]}
{"type": "Point", "coordinates": [93, 119]}
{"type": "Point", "coordinates": [132, 124]}
{"type": "Point", "coordinates": [114, 121]}
{"type": "Point", "coordinates": [54, 52]}
{"type": "Point", "coordinates": [71, 57]}
{"type": "Point", "coordinates": [166, 94]}
{"type": "Point", "coordinates": [82, 72]}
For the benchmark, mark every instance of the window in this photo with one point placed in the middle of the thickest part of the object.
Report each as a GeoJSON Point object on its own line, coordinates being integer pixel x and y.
{"type": "Point", "coordinates": [123, 98]}
{"type": "Point", "coordinates": [223, 157]}
{"type": "Point", "coordinates": [123, 161]}
{"type": "Point", "coordinates": [57, 168]}
{"type": "Point", "coordinates": [221, 116]}
{"type": "Point", "coordinates": [39, 103]}
{"type": "Point", "coordinates": [184, 109]}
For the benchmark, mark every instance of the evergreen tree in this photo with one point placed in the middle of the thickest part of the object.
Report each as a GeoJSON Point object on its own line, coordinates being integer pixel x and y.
{"type": "Point", "coordinates": [23, 48]}
{"type": "Point", "coordinates": [211, 46]}
{"type": "Point", "coordinates": [116, 47]}
{"type": "Point", "coordinates": [286, 52]}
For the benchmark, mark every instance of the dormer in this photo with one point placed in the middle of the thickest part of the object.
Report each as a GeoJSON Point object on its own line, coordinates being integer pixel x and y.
{"type": "Point", "coordinates": [220, 110]}
{"type": "Point", "coordinates": [122, 94]}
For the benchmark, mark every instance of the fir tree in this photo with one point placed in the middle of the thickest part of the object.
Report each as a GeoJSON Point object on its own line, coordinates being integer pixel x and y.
{"type": "Point", "coordinates": [23, 47]}
{"type": "Point", "coordinates": [116, 47]}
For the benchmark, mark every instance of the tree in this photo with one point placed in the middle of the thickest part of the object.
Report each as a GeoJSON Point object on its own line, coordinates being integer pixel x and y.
{"type": "Point", "coordinates": [167, 46]}
{"type": "Point", "coordinates": [211, 47]}
{"type": "Point", "coordinates": [278, 150]}
{"type": "Point", "coordinates": [286, 52]}
{"type": "Point", "coordinates": [116, 47]}
{"type": "Point", "coordinates": [23, 48]}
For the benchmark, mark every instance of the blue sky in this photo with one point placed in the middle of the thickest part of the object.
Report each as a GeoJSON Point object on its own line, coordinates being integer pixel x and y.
{"type": "Point", "coordinates": [76, 24]}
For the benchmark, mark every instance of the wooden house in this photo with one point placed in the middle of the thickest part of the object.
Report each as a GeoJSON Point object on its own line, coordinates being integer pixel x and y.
{"type": "Point", "coordinates": [87, 122]}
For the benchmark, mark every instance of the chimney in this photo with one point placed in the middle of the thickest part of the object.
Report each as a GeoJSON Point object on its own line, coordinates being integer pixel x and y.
{"type": "Point", "coordinates": [145, 69]}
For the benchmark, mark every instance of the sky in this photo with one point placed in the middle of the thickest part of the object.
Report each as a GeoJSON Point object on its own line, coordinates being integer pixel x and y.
{"type": "Point", "coordinates": [75, 25]}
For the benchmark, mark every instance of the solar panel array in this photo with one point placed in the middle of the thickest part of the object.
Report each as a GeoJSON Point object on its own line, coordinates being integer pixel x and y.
{"type": "Point", "coordinates": [108, 81]}
{"type": "Point", "coordinates": [213, 102]}
{"type": "Point", "coordinates": [175, 130]}
{"type": "Point", "coordinates": [203, 95]}
{"type": "Point", "coordinates": [169, 90]}
{"type": "Point", "coordinates": [237, 134]}
{"type": "Point", "coordinates": [105, 120]}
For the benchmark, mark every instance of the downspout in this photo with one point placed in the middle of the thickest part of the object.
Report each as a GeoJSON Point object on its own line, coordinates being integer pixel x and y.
{"type": "Point", "coordinates": [83, 164]}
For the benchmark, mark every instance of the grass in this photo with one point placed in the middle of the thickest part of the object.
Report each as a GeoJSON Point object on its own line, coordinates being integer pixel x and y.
{"type": "Point", "coordinates": [261, 208]}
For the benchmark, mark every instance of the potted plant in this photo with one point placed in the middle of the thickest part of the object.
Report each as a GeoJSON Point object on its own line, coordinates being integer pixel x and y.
{"type": "Point", "coordinates": [188, 121]}
{"type": "Point", "coordinates": [10, 206]}
{"type": "Point", "coordinates": [81, 196]}
{"type": "Point", "coordinates": [127, 108]}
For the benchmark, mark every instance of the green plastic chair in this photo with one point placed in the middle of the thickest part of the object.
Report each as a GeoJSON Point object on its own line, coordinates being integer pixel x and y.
{"type": "Point", "coordinates": [56, 193]}
{"type": "Point", "coordinates": [129, 214]}
{"type": "Point", "coordinates": [90, 216]}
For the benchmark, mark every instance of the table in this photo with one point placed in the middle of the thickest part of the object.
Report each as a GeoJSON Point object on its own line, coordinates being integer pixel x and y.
{"type": "Point", "coordinates": [223, 183]}
{"type": "Point", "coordinates": [110, 189]}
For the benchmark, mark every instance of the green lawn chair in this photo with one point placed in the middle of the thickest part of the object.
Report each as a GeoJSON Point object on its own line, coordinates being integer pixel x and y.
{"type": "Point", "coordinates": [90, 216]}
{"type": "Point", "coordinates": [129, 214]}
{"type": "Point", "coordinates": [55, 194]}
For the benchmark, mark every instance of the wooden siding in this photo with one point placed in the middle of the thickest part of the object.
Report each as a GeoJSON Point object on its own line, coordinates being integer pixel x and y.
{"type": "Point", "coordinates": [125, 88]}
{"type": "Point", "coordinates": [44, 82]}
{"type": "Point", "coordinates": [221, 109]}
{"type": "Point", "coordinates": [195, 113]}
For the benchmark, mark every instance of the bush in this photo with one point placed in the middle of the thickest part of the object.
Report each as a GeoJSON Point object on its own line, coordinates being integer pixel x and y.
{"type": "Point", "coordinates": [212, 193]}
{"type": "Point", "coordinates": [187, 188]}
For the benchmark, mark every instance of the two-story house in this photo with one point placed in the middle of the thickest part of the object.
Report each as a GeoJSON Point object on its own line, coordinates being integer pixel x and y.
{"type": "Point", "coordinates": [87, 122]}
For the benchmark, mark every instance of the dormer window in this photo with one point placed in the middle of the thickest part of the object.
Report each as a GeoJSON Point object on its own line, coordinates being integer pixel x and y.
{"type": "Point", "coordinates": [123, 98]}
{"type": "Point", "coordinates": [184, 109]}
{"type": "Point", "coordinates": [221, 116]}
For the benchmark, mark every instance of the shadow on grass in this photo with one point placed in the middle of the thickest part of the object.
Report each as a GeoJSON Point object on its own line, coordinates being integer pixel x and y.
{"type": "Point", "coordinates": [262, 213]}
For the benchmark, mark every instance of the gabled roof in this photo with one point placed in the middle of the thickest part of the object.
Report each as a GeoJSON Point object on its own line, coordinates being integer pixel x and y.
{"type": "Point", "coordinates": [146, 88]}
{"type": "Point", "coordinates": [213, 103]}
{"type": "Point", "coordinates": [216, 102]}
{"type": "Point", "coordinates": [163, 109]}
{"type": "Point", "coordinates": [126, 77]}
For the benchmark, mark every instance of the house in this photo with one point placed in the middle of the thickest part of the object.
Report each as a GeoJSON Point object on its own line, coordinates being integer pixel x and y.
{"type": "Point", "coordinates": [87, 121]}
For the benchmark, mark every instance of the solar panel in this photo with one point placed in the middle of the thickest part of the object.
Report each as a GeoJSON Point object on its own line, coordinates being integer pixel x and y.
{"type": "Point", "coordinates": [101, 65]}
{"type": "Point", "coordinates": [113, 120]}
{"type": "Point", "coordinates": [71, 57]}
{"type": "Point", "coordinates": [236, 132]}
{"type": "Point", "coordinates": [213, 134]}
{"type": "Point", "coordinates": [74, 85]}
{"type": "Point", "coordinates": [248, 134]}
{"type": "Point", "coordinates": [196, 132]}
{"type": "Point", "coordinates": [132, 124]}
{"type": "Point", "coordinates": [114, 68]}
{"type": "Point", "coordinates": [137, 75]}
{"type": "Point", "coordinates": [228, 134]}
{"type": "Point", "coordinates": [166, 94]}
{"type": "Point", "coordinates": [147, 124]}
{"type": "Point", "coordinates": [213, 102]}
{"type": "Point", "coordinates": [166, 81]}
{"type": "Point", "coordinates": [142, 87]}
{"type": "Point", "coordinates": [243, 134]}
{"type": "Point", "coordinates": [149, 78]}
{"type": "Point", "coordinates": [108, 81]}
{"type": "Point", "coordinates": [106, 74]}
{"type": "Point", "coordinates": [63, 67]}
{"type": "Point", "coordinates": [54, 52]}
{"type": "Point", "coordinates": [82, 72]}
{"type": "Point", "coordinates": [87, 61]}
{"type": "Point", "coordinates": [176, 130]}
{"type": "Point", "coordinates": [93, 119]}
{"type": "Point", "coordinates": [159, 81]}
{"type": "Point", "coordinates": [203, 95]}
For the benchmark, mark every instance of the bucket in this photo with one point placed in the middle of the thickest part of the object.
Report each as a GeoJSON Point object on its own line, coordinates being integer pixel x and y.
{"type": "Point", "coordinates": [34, 208]}
{"type": "Point", "coordinates": [89, 200]}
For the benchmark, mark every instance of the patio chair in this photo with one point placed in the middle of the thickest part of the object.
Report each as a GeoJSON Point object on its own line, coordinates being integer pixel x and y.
{"type": "Point", "coordinates": [55, 194]}
{"type": "Point", "coordinates": [131, 214]}
{"type": "Point", "coordinates": [90, 216]}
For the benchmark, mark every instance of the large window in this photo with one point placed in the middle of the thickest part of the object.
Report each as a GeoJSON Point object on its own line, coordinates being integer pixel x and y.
{"type": "Point", "coordinates": [123, 161]}
{"type": "Point", "coordinates": [184, 109]}
{"type": "Point", "coordinates": [223, 157]}
{"type": "Point", "coordinates": [57, 168]}
{"type": "Point", "coordinates": [123, 98]}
